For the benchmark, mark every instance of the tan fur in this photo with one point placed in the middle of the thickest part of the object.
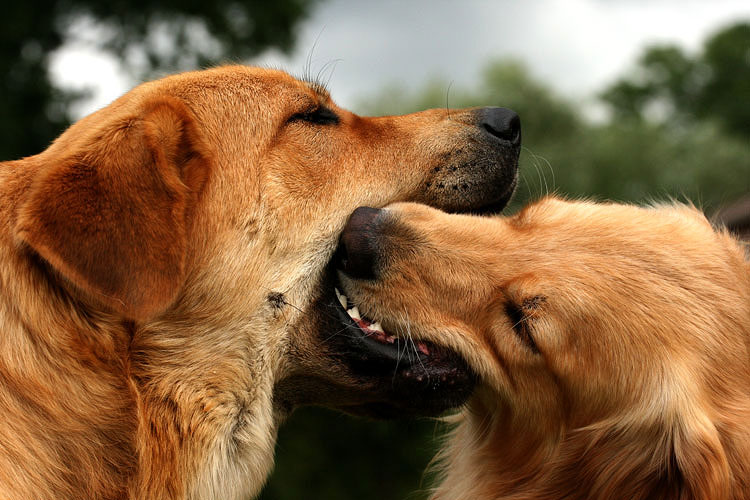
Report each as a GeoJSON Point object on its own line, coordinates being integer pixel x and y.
{"type": "Point", "coordinates": [637, 384]}
{"type": "Point", "coordinates": [157, 266]}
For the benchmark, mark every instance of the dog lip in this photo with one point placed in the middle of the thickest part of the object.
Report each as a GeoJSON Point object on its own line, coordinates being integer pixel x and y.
{"type": "Point", "coordinates": [402, 380]}
{"type": "Point", "coordinates": [498, 206]}
{"type": "Point", "coordinates": [494, 206]}
{"type": "Point", "coordinates": [370, 354]}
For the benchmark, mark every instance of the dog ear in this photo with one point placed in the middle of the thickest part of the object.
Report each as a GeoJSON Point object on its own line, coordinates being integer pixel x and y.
{"type": "Point", "coordinates": [113, 217]}
{"type": "Point", "coordinates": [701, 460]}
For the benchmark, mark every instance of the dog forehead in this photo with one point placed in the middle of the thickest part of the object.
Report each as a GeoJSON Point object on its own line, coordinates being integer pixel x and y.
{"type": "Point", "coordinates": [236, 93]}
{"type": "Point", "coordinates": [240, 89]}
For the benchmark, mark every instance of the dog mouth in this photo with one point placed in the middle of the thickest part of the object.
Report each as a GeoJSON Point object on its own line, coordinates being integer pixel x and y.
{"type": "Point", "coordinates": [377, 338]}
{"type": "Point", "coordinates": [404, 376]}
{"type": "Point", "coordinates": [383, 373]}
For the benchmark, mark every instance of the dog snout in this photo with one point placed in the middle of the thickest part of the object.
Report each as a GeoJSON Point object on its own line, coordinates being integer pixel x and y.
{"type": "Point", "coordinates": [478, 171]}
{"type": "Point", "coordinates": [358, 247]}
{"type": "Point", "coordinates": [501, 124]}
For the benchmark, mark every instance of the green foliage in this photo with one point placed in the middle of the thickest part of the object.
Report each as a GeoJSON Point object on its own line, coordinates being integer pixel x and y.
{"type": "Point", "coordinates": [185, 34]}
{"type": "Point", "coordinates": [148, 37]}
{"type": "Point", "coordinates": [32, 112]}
{"type": "Point", "coordinates": [726, 93]}
{"type": "Point", "coordinates": [713, 85]}
{"type": "Point", "coordinates": [324, 455]}
{"type": "Point", "coordinates": [620, 159]}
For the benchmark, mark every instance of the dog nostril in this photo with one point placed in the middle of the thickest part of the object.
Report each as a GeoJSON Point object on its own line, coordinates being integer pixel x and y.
{"type": "Point", "coordinates": [357, 251]}
{"type": "Point", "coordinates": [509, 133]}
{"type": "Point", "coordinates": [501, 123]}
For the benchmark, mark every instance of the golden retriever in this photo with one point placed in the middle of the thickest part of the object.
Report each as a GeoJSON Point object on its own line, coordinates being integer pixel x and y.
{"type": "Point", "coordinates": [611, 344]}
{"type": "Point", "coordinates": [166, 292]}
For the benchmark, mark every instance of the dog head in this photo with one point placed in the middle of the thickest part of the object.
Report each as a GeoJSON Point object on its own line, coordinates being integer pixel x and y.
{"type": "Point", "coordinates": [610, 341]}
{"type": "Point", "coordinates": [205, 208]}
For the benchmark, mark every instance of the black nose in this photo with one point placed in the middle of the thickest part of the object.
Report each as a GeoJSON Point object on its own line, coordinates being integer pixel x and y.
{"type": "Point", "coordinates": [501, 123]}
{"type": "Point", "coordinates": [358, 245]}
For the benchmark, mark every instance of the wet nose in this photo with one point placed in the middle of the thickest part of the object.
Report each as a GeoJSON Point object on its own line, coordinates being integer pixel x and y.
{"type": "Point", "coordinates": [358, 245]}
{"type": "Point", "coordinates": [501, 124]}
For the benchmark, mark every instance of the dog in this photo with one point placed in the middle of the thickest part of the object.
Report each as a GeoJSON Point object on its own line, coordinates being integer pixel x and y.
{"type": "Point", "coordinates": [166, 288]}
{"type": "Point", "coordinates": [611, 344]}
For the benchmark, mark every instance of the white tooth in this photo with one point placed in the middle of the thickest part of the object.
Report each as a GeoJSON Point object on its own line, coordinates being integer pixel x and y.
{"type": "Point", "coordinates": [341, 297]}
{"type": "Point", "coordinates": [354, 312]}
{"type": "Point", "coordinates": [376, 326]}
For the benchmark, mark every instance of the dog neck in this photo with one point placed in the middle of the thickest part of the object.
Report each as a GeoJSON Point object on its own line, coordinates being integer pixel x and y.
{"type": "Point", "coordinates": [203, 434]}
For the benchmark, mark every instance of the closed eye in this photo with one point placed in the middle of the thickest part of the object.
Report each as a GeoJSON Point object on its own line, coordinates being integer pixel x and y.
{"type": "Point", "coordinates": [521, 326]}
{"type": "Point", "coordinates": [317, 116]}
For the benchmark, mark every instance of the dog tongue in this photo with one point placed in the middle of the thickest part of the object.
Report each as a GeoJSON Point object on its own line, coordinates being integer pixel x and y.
{"type": "Point", "coordinates": [375, 331]}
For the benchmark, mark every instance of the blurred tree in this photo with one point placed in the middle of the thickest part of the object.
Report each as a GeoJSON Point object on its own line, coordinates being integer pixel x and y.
{"type": "Point", "coordinates": [146, 36]}
{"type": "Point", "coordinates": [504, 83]}
{"type": "Point", "coordinates": [726, 92]}
{"type": "Point", "coordinates": [32, 111]}
{"type": "Point", "coordinates": [622, 159]}
{"type": "Point", "coordinates": [325, 455]}
{"type": "Point", "coordinates": [665, 76]}
{"type": "Point", "coordinates": [712, 85]}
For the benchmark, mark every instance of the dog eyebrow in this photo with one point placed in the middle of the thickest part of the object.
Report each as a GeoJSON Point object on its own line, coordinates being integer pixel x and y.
{"type": "Point", "coordinates": [314, 83]}
{"type": "Point", "coordinates": [533, 303]}
{"type": "Point", "coordinates": [318, 87]}
{"type": "Point", "coordinates": [321, 91]}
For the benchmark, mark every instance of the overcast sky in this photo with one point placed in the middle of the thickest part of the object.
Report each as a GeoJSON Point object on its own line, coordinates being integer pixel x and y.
{"type": "Point", "coordinates": [577, 46]}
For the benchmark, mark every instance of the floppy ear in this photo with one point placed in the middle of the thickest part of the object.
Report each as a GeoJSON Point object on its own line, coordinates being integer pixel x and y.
{"type": "Point", "coordinates": [113, 217]}
{"type": "Point", "coordinates": [701, 459]}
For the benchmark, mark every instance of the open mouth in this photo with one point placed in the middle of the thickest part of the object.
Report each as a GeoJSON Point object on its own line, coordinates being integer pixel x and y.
{"type": "Point", "coordinates": [411, 376]}
{"type": "Point", "coordinates": [373, 331]}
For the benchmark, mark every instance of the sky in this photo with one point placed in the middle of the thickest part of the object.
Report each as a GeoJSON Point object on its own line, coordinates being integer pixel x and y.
{"type": "Point", "coordinates": [576, 46]}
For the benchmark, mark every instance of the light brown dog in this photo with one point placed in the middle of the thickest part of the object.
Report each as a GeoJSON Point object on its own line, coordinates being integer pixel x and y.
{"type": "Point", "coordinates": [611, 343]}
{"type": "Point", "coordinates": [165, 287]}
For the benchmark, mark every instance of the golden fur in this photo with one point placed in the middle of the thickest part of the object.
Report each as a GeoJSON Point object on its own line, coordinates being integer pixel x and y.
{"type": "Point", "coordinates": [159, 265]}
{"type": "Point", "coordinates": [612, 344]}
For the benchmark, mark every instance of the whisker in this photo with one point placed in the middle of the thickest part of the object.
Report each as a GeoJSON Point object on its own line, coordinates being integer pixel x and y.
{"type": "Point", "coordinates": [405, 334]}
{"type": "Point", "coordinates": [539, 161]}
{"type": "Point", "coordinates": [398, 358]}
{"type": "Point", "coordinates": [319, 78]}
{"type": "Point", "coordinates": [414, 345]}
{"type": "Point", "coordinates": [307, 71]}
{"type": "Point", "coordinates": [447, 93]}
{"type": "Point", "coordinates": [300, 310]}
